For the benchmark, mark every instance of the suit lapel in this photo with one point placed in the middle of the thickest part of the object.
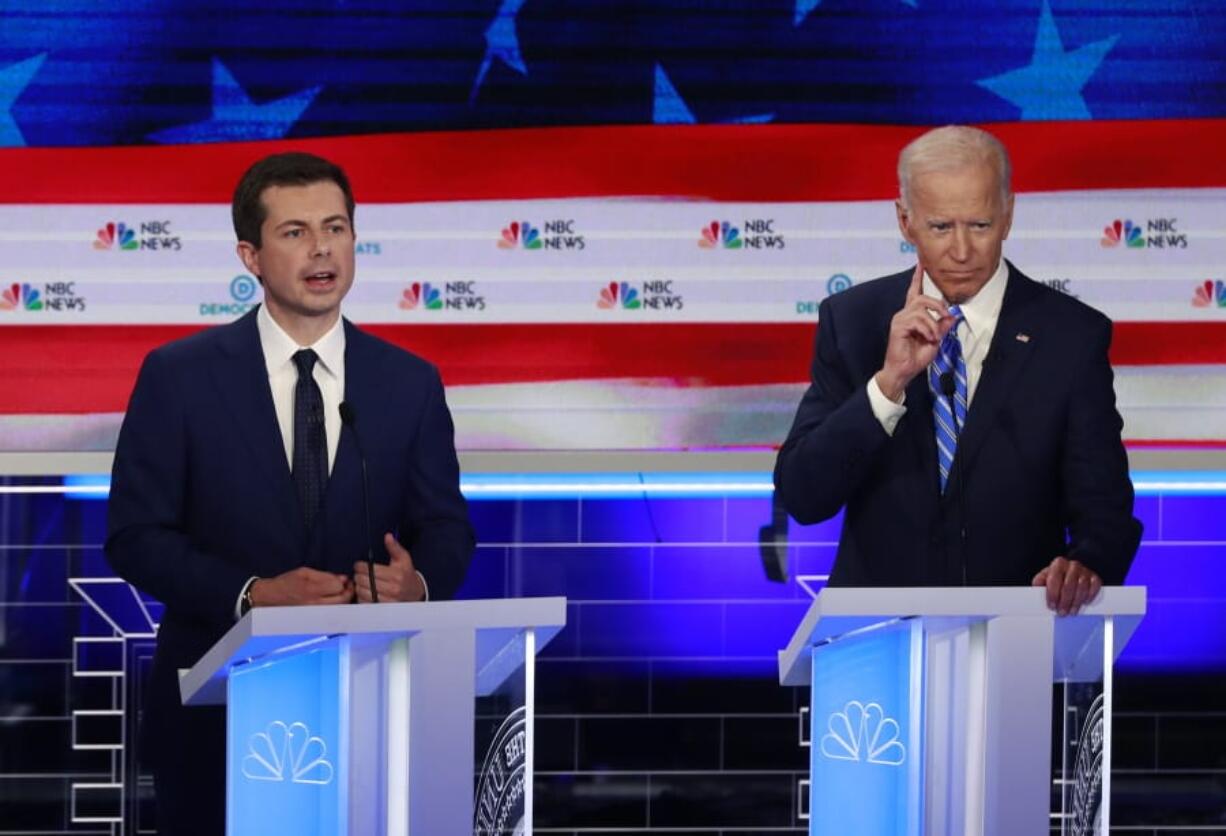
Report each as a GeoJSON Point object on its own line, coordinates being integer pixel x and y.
{"type": "Point", "coordinates": [241, 378]}
{"type": "Point", "coordinates": [341, 507]}
{"type": "Point", "coordinates": [917, 423]}
{"type": "Point", "coordinates": [1010, 349]}
{"type": "Point", "coordinates": [359, 372]}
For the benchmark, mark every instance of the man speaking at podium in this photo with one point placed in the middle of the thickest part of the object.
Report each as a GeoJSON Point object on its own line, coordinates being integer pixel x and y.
{"type": "Point", "coordinates": [962, 414]}
{"type": "Point", "coordinates": [238, 476]}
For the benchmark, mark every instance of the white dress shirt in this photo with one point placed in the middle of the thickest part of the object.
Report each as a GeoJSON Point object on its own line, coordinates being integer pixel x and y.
{"type": "Point", "coordinates": [975, 332]}
{"type": "Point", "coordinates": [329, 373]}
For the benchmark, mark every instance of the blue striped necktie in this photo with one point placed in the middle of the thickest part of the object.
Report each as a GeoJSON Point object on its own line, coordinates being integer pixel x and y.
{"type": "Point", "coordinates": [948, 425]}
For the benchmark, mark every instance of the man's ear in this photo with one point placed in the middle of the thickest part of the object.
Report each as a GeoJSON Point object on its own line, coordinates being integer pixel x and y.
{"type": "Point", "coordinates": [1008, 217]}
{"type": "Point", "coordinates": [249, 255]}
{"type": "Point", "coordinates": [903, 218]}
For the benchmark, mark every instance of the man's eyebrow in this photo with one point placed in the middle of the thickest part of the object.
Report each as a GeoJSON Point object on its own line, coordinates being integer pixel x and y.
{"type": "Point", "coordinates": [328, 220]}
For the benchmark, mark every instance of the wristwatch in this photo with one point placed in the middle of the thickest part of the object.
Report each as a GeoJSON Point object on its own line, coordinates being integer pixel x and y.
{"type": "Point", "coordinates": [245, 603]}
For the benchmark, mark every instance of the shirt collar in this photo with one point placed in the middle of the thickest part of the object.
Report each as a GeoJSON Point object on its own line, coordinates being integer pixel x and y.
{"type": "Point", "coordinates": [279, 347]}
{"type": "Point", "coordinates": [982, 309]}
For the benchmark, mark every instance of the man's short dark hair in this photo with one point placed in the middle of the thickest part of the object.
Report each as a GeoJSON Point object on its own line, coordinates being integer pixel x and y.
{"type": "Point", "coordinates": [293, 168]}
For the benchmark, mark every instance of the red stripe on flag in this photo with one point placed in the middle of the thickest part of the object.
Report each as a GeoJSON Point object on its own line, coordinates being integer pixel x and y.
{"type": "Point", "coordinates": [91, 368]}
{"type": "Point", "coordinates": [718, 162]}
{"type": "Point", "coordinates": [1175, 444]}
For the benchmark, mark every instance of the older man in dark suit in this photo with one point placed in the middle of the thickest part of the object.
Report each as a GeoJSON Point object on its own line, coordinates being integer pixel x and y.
{"type": "Point", "coordinates": [236, 484]}
{"type": "Point", "coordinates": [962, 414]}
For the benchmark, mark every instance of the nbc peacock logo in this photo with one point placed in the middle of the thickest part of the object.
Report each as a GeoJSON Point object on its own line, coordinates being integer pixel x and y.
{"type": "Point", "coordinates": [1209, 294]}
{"type": "Point", "coordinates": [720, 235]}
{"type": "Point", "coordinates": [618, 295]}
{"type": "Point", "coordinates": [520, 234]}
{"type": "Point", "coordinates": [421, 295]}
{"type": "Point", "coordinates": [287, 752]}
{"type": "Point", "coordinates": [116, 235]}
{"type": "Point", "coordinates": [863, 732]}
{"type": "Point", "coordinates": [1122, 232]}
{"type": "Point", "coordinates": [20, 297]}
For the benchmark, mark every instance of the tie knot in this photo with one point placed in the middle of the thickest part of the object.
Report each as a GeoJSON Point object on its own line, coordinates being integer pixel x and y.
{"type": "Point", "coordinates": [305, 361]}
{"type": "Point", "coordinates": [959, 318]}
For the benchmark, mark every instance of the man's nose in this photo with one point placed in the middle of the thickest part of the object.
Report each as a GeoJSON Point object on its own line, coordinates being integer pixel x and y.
{"type": "Point", "coordinates": [960, 248]}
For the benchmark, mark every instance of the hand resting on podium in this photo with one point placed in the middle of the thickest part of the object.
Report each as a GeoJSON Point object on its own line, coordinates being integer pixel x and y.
{"type": "Point", "coordinates": [1070, 585]}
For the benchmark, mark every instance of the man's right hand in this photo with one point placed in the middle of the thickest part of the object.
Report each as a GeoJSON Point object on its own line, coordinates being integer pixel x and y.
{"type": "Point", "coordinates": [303, 585]}
{"type": "Point", "coordinates": [916, 332]}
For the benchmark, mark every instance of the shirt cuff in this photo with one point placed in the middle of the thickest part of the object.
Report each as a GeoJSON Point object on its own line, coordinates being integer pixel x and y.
{"type": "Point", "coordinates": [425, 586]}
{"type": "Point", "coordinates": [238, 604]}
{"type": "Point", "coordinates": [886, 411]}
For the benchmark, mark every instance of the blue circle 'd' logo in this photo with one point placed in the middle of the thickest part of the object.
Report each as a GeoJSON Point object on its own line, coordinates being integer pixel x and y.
{"type": "Point", "coordinates": [242, 288]}
{"type": "Point", "coordinates": [837, 282]}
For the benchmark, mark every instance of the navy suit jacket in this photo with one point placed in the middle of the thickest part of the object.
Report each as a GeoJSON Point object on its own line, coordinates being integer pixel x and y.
{"type": "Point", "coordinates": [1040, 469]}
{"type": "Point", "coordinates": [202, 497]}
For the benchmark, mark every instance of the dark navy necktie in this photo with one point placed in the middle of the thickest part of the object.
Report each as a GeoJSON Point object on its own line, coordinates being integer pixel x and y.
{"type": "Point", "coordinates": [310, 440]}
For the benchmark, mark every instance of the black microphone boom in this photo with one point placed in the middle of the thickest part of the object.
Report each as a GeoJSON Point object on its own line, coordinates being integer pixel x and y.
{"type": "Point", "coordinates": [350, 419]}
{"type": "Point", "coordinates": [949, 388]}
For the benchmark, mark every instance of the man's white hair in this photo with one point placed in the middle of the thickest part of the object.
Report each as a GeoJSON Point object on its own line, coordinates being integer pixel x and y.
{"type": "Point", "coordinates": [951, 148]}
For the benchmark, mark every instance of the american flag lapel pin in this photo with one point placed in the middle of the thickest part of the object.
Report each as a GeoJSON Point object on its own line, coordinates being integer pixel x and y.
{"type": "Point", "coordinates": [1023, 338]}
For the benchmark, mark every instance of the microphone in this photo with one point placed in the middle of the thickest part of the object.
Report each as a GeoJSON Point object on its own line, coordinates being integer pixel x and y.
{"type": "Point", "coordinates": [949, 389]}
{"type": "Point", "coordinates": [349, 419]}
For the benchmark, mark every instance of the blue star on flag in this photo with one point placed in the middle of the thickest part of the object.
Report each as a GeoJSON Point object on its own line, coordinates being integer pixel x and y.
{"type": "Point", "coordinates": [1050, 86]}
{"type": "Point", "coordinates": [13, 82]}
{"type": "Point", "coordinates": [501, 42]}
{"type": "Point", "coordinates": [668, 108]}
{"type": "Point", "coordinates": [804, 7]}
{"type": "Point", "coordinates": [236, 118]}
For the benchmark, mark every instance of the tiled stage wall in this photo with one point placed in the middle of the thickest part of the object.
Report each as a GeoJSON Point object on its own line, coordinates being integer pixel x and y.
{"type": "Point", "coordinates": [659, 708]}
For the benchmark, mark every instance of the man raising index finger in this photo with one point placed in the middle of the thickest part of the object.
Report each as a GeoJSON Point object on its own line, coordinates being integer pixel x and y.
{"type": "Point", "coordinates": [962, 414]}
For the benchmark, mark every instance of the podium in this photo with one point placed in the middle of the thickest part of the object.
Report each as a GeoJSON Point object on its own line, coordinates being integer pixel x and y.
{"type": "Point", "coordinates": [386, 719]}
{"type": "Point", "coordinates": [932, 709]}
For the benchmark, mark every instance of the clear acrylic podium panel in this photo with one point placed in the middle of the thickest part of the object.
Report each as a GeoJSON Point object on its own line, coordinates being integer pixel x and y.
{"type": "Point", "coordinates": [316, 737]}
{"type": "Point", "coordinates": [504, 742]}
{"type": "Point", "coordinates": [892, 743]}
{"type": "Point", "coordinates": [1082, 699]}
{"type": "Point", "coordinates": [1079, 732]}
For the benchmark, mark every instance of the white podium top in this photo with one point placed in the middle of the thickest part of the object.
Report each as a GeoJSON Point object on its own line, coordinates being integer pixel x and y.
{"type": "Point", "coordinates": [266, 630]}
{"type": "Point", "coordinates": [839, 611]}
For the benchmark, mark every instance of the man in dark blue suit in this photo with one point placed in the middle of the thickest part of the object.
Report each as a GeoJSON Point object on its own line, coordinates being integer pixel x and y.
{"type": "Point", "coordinates": [962, 414]}
{"type": "Point", "coordinates": [236, 484]}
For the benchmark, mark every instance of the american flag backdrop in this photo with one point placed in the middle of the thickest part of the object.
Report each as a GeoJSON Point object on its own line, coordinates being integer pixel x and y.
{"type": "Point", "coordinates": [609, 223]}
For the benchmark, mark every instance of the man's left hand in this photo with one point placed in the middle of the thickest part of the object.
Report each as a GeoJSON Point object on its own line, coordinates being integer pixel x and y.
{"type": "Point", "coordinates": [1070, 585]}
{"type": "Point", "coordinates": [395, 582]}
